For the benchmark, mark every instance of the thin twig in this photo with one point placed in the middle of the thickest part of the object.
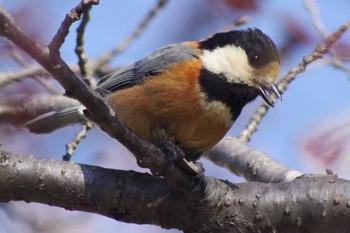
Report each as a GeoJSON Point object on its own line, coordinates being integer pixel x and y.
{"type": "Point", "coordinates": [70, 147]}
{"type": "Point", "coordinates": [85, 71]}
{"type": "Point", "coordinates": [283, 84]}
{"type": "Point", "coordinates": [106, 57]}
{"type": "Point", "coordinates": [87, 78]}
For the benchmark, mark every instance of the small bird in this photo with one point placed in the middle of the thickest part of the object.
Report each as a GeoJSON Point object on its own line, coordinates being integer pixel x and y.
{"type": "Point", "coordinates": [188, 93]}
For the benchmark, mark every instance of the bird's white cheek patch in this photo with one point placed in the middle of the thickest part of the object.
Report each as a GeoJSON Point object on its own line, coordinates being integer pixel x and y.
{"type": "Point", "coordinates": [230, 61]}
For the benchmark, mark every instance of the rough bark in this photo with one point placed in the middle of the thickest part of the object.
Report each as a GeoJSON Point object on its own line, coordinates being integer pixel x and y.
{"type": "Point", "coordinates": [306, 204]}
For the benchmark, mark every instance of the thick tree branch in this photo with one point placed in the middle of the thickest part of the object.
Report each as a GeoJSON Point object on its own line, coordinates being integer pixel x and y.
{"type": "Point", "coordinates": [307, 204]}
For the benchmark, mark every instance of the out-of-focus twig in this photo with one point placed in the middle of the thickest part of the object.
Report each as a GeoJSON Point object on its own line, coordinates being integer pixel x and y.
{"type": "Point", "coordinates": [32, 70]}
{"type": "Point", "coordinates": [238, 22]}
{"type": "Point", "coordinates": [335, 60]}
{"type": "Point", "coordinates": [283, 84]}
{"type": "Point", "coordinates": [10, 77]}
{"type": "Point", "coordinates": [106, 57]}
{"type": "Point", "coordinates": [19, 109]}
{"type": "Point", "coordinates": [17, 56]}
{"type": "Point", "coordinates": [16, 76]}
{"type": "Point", "coordinates": [339, 64]}
{"type": "Point", "coordinates": [315, 17]}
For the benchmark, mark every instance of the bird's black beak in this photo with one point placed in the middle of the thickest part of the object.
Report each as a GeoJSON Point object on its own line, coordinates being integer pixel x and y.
{"type": "Point", "coordinates": [269, 92]}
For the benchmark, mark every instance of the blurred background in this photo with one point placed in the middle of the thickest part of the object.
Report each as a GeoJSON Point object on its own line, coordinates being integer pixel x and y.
{"type": "Point", "coordinates": [309, 130]}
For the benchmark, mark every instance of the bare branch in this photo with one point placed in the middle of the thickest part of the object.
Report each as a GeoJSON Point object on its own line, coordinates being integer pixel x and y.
{"type": "Point", "coordinates": [245, 207]}
{"type": "Point", "coordinates": [283, 84]}
{"type": "Point", "coordinates": [251, 164]}
{"type": "Point", "coordinates": [105, 58]}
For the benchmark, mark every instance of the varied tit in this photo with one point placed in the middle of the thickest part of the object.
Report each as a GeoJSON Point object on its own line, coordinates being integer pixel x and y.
{"type": "Point", "coordinates": [189, 93]}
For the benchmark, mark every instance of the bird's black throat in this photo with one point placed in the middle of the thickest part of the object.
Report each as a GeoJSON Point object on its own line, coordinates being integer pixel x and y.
{"type": "Point", "coordinates": [234, 95]}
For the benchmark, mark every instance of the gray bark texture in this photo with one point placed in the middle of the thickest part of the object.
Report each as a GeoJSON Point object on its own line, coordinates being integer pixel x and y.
{"type": "Point", "coordinates": [319, 203]}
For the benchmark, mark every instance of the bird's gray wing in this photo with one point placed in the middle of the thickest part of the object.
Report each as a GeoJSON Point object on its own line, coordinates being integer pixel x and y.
{"type": "Point", "coordinates": [141, 70]}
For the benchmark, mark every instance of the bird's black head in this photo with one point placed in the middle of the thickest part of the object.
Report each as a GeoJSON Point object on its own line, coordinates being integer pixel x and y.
{"type": "Point", "coordinates": [259, 48]}
{"type": "Point", "coordinates": [243, 57]}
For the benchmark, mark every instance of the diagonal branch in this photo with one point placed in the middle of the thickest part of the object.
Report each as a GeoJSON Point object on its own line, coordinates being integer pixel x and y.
{"type": "Point", "coordinates": [147, 154]}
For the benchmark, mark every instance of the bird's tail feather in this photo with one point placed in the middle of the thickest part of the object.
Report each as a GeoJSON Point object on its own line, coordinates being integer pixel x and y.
{"type": "Point", "coordinates": [52, 121]}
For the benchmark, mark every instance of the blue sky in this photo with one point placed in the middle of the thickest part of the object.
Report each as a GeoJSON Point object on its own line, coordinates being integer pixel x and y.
{"type": "Point", "coordinates": [320, 93]}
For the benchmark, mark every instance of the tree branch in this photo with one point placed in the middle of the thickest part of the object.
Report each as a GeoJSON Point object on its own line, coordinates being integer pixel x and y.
{"type": "Point", "coordinates": [307, 204]}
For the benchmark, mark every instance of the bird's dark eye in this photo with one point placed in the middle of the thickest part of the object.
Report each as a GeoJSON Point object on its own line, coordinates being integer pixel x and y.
{"type": "Point", "coordinates": [255, 60]}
